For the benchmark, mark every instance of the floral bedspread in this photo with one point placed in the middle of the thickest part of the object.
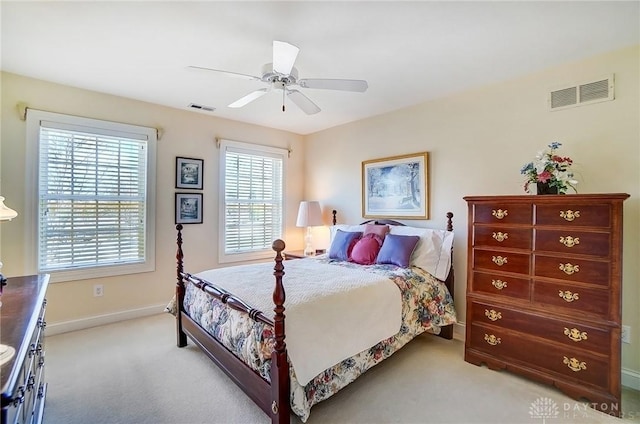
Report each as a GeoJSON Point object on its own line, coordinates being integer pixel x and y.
{"type": "Point", "coordinates": [427, 304]}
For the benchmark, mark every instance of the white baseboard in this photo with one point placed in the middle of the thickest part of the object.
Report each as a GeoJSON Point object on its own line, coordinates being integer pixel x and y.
{"type": "Point", "coordinates": [81, 324]}
{"type": "Point", "coordinates": [630, 378]}
{"type": "Point", "coordinates": [459, 330]}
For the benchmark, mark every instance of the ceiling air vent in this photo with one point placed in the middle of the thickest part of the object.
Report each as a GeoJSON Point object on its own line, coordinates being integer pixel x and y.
{"type": "Point", "coordinates": [200, 107]}
{"type": "Point", "coordinates": [594, 91]}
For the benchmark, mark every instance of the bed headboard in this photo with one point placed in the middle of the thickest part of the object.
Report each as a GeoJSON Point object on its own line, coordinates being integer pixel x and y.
{"type": "Point", "coordinates": [391, 221]}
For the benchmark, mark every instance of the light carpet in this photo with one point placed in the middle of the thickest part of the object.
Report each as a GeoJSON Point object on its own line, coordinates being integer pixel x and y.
{"type": "Point", "coordinates": [132, 372]}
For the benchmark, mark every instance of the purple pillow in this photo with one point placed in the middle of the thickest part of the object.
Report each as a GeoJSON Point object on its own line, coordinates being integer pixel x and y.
{"type": "Point", "coordinates": [366, 250]}
{"type": "Point", "coordinates": [380, 230]}
{"type": "Point", "coordinates": [342, 244]}
{"type": "Point", "coordinates": [397, 250]}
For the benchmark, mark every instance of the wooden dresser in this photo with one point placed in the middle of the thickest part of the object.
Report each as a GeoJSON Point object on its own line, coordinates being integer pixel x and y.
{"type": "Point", "coordinates": [22, 314]}
{"type": "Point", "coordinates": [544, 290]}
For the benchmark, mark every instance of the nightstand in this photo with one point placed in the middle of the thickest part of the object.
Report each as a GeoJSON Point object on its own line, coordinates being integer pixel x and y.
{"type": "Point", "coordinates": [299, 254]}
{"type": "Point", "coordinates": [294, 254]}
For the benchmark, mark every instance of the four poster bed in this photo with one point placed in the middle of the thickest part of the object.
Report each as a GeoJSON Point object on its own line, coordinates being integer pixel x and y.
{"type": "Point", "coordinates": [343, 311]}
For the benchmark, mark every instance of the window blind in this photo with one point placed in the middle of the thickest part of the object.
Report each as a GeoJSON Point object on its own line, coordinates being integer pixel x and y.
{"type": "Point", "coordinates": [253, 199]}
{"type": "Point", "coordinates": [92, 189]}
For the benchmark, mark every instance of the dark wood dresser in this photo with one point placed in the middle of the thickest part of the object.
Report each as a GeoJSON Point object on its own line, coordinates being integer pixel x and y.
{"type": "Point", "coordinates": [22, 319]}
{"type": "Point", "coordinates": [544, 290]}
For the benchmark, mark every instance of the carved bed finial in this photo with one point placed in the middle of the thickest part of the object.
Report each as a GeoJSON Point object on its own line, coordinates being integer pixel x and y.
{"type": "Point", "coordinates": [334, 213]}
{"type": "Point", "coordinates": [449, 221]}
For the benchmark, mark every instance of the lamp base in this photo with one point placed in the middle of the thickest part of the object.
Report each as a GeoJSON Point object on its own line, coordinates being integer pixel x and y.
{"type": "Point", "coordinates": [308, 246]}
{"type": "Point", "coordinates": [6, 353]}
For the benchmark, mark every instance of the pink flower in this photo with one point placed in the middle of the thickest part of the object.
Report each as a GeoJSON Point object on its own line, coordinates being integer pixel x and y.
{"type": "Point", "coordinates": [544, 177]}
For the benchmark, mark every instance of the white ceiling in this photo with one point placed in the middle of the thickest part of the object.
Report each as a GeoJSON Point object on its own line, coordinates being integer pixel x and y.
{"type": "Point", "coordinates": [409, 52]}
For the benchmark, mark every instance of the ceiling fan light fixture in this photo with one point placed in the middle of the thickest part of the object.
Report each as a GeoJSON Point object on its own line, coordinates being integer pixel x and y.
{"type": "Point", "coordinates": [281, 74]}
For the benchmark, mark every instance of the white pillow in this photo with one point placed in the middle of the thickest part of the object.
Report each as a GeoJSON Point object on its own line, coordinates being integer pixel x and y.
{"type": "Point", "coordinates": [433, 251]}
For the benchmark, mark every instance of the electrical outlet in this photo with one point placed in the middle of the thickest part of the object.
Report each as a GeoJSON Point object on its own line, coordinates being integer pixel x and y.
{"type": "Point", "coordinates": [626, 334]}
{"type": "Point", "coordinates": [98, 290]}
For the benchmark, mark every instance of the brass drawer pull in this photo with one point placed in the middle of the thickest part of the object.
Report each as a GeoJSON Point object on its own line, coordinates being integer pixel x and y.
{"type": "Point", "coordinates": [499, 260]}
{"type": "Point", "coordinates": [569, 241]}
{"type": "Point", "coordinates": [568, 296]}
{"type": "Point", "coordinates": [492, 315]}
{"type": "Point", "coordinates": [500, 237]}
{"type": "Point", "coordinates": [574, 364]}
{"type": "Point", "coordinates": [274, 407]}
{"type": "Point", "coordinates": [568, 268]}
{"type": "Point", "coordinates": [569, 215]}
{"type": "Point", "coordinates": [499, 213]}
{"type": "Point", "coordinates": [575, 334]}
{"type": "Point", "coordinates": [499, 284]}
{"type": "Point", "coordinates": [492, 340]}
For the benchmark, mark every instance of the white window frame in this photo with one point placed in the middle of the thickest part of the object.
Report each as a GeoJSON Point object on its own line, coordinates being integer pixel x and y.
{"type": "Point", "coordinates": [34, 117]}
{"type": "Point", "coordinates": [257, 149]}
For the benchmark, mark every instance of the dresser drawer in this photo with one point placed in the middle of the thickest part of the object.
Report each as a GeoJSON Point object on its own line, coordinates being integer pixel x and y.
{"type": "Point", "coordinates": [500, 236]}
{"type": "Point", "coordinates": [506, 213]}
{"type": "Point", "coordinates": [567, 332]}
{"type": "Point", "coordinates": [562, 361]}
{"type": "Point", "coordinates": [573, 215]}
{"type": "Point", "coordinates": [571, 269]}
{"type": "Point", "coordinates": [579, 300]}
{"type": "Point", "coordinates": [495, 260]}
{"type": "Point", "coordinates": [570, 241]}
{"type": "Point", "coordinates": [501, 285]}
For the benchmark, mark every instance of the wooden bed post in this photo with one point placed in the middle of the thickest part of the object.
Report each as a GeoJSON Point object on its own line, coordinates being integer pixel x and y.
{"type": "Point", "coordinates": [181, 336]}
{"type": "Point", "coordinates": [446, 332]}
{"type": "Point", "coordinates": [280, 406]}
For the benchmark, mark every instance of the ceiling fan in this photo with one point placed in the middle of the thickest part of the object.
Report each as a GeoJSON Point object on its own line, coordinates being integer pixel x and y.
{"type": "Point", "coordinates": [281, 74]}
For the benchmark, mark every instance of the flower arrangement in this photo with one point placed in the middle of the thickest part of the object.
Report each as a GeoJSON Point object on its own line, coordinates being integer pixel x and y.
{"type": "Point", "coordinates": [551, 169]}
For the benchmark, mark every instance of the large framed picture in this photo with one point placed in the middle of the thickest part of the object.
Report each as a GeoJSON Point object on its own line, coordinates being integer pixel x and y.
{"type": "Point", "coordinates": [189, 173]}
{"type": "Point", "coordinates": [396, 187]}
{"type": "Point", "coordinates": [188, 208]}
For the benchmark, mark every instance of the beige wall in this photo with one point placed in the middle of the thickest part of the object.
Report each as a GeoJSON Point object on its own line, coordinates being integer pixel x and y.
{"type": "Point", "coordinates": [188, 134]}
{"type": "Point", "coordinates": [478, 141]}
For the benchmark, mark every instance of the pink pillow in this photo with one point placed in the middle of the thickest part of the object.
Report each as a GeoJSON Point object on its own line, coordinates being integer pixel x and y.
{"type": "Point", "coordinates": [380, 230]}
{"type": "Point", "coordinates": [366, 250]}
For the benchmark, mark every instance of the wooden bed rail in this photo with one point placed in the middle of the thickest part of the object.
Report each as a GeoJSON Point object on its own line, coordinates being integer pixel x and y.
{"type": "Point", "coordinates": [273, 398]}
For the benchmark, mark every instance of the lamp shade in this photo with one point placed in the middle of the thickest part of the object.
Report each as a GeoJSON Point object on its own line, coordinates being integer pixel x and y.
{"type": "Point", "coordinates": [6, 214]}
{"type": "Point", "coordinates": [309, 214]}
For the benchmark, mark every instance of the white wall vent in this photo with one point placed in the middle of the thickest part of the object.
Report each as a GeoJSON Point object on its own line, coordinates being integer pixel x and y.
{"type": "Point", "coordinates": [594, 91]}
{"type": "Point", "coordinates": [201, 107]}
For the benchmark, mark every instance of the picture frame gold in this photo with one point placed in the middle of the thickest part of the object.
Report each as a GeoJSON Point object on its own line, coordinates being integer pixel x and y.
{"type": "Point", "coordinates": [396, 187]}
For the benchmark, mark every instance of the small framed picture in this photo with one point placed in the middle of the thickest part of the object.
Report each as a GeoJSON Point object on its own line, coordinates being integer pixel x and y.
{"type": "Point", "coordinates": [189, 173]}
{"type": "Point", "coordinates": [188, 208]}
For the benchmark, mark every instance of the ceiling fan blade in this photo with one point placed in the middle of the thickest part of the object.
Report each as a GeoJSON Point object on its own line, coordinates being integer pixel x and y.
{"type": "Point", "coordinates": [284, 56]}
{"type": "Point", "coordinates": [249, 98]}
{"type": "Point", "coordinates": [232, 74]}
{"type": "Point", "coordinates": [335, 84]}
{"type": "Point", "coordinates": [303, 102]}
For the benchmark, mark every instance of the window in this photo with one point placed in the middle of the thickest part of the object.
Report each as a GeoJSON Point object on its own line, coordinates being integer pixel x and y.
{"type": "Point", "coordinates": [251, 204]}
{"type": "Point", "coordinates": [95, 194]}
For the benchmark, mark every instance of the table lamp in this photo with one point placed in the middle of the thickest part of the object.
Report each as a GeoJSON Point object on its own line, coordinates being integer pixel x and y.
{"type": "Point", "coordinates": [309, 215]}
{"type": "Point", "coordinates": [6, 214]}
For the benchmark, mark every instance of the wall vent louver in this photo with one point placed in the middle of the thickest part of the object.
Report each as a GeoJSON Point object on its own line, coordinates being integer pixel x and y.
{"type": "Point", "coordinates": [200, 107]}
{"type": "Point", "coordinates": [594, 91]}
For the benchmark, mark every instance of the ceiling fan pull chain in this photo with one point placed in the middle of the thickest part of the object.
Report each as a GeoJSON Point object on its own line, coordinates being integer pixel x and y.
{"type": "Point", "coordinates": [283, 90]}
